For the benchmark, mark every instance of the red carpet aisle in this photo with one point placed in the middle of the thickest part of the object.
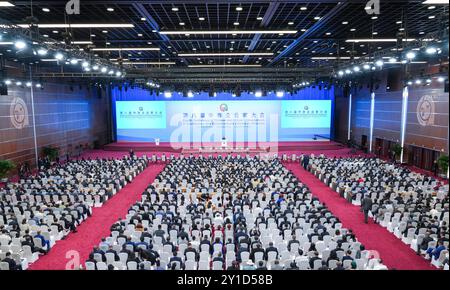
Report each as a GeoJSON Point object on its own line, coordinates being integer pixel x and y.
{"type": "Point", "coordinates": [97, 226]}
{"type": "Point", "coordinates": [394, 253]}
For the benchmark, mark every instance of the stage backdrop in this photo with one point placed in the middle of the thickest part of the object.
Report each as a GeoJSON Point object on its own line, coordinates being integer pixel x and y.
{"type": "Point", "coordinates": [210, 121]}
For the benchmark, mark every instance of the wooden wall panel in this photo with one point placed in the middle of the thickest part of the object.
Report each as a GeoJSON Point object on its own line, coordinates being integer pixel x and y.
{"type": "Point", "coordinates": [65, 117]}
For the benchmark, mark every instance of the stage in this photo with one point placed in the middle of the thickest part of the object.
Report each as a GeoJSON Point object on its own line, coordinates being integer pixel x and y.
{"type": "Point", "coordinates": [251, 148]}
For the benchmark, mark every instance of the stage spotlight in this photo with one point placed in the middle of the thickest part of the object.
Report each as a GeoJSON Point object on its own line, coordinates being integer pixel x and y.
{"type": "Point", "coordinates": [59, 56]}
{"type": "Point", "coordinates": [347, 71]}
{"type": "Point", "coordinates": [280, 94]}
{"type": "Point", "coordinates": [111, 72]}
{"type": "Point", "coordinates": [19, 83]}
{"type": "Point", "coordinates": [441, 79]}
{"type": "Point", "coordinates": [42, 51]}
{"type": "Point", "coordinates": [411, 55]}
{"type": "Point", "coordinates": [392, 60]}
{"type": "Point", "coordinates": [118, 73]}
{"type": "Point", "coordinates": [190, 94]}
{"type": "Point", "coordinates": [167, 94]}
{"type": "Point", "coordinates": [29, 84]}
{"type": "Point", "coordinates": [104, 70]}
{"type": "Point", "coordinates": [431, 50]}
{"type": "Point", "coordinates": [379, 63]}
{"type": "Point", "coordinates": [366, 66]}
{"type": "Point", "coordinates": [74, 61]}
{"type": "Point", "coordinates": [85, 64]}
{"type": "Point", "coordinates": [410, 83]}
{"type": "Point", "coordinates": [258, 94]}
{"type": "Point", "coordinates": [8, 82]}
{"type": "Point", "coordinates": [418, 82]}
{"type": "Point", "coordinates": [20, 44]}
{"type": "Point", "coordinates": [356, 68]}
{"type": "Point", "coordinates": [341, 73]}
{"type": "Point", "coordinates": [38, 86]}
{"type": "Point", "coordinates": [95, 67]}
{"type": "Point", "coordinates": [428, 81]}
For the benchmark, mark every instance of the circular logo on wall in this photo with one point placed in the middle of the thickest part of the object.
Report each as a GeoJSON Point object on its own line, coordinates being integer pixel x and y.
{"type": "Point", "coordinates": [224, 108]}
{"type": "Point", "coordinates": [426, 110]}
{"type": "Point", "coordinates": [306, 108]}
{"type": "Point", "coordinates": [19, 113]}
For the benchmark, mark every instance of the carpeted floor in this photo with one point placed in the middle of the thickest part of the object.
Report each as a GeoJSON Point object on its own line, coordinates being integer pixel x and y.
{"type": "Point", "coordinates": [97, 226]}
{"type": "Point", "coordinates": [394, 253]}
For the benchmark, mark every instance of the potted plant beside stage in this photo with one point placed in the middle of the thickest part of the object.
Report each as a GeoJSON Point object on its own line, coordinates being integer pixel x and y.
{"type": "Point", "coordinates": [5, 167]}
{"type": "Point", "coordinates": [397, 149]}
{"type": "Point", "coordinates": [443, 164]}
{"type": "Point", "coordinates": [51, 152]}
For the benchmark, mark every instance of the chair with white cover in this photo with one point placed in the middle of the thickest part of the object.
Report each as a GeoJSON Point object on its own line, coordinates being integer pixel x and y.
{"type": "Point", "coordinates": [317, 264]}
{"type": "Point", "coordinates": [347, 264]}
{"type": "Point", "coordinates": [90, 266]}
{"type": "Point", "coordinates": [190, 265]}
{"type": "Point", "coordinates": [217, 266]}
{"type": "Point", "coordinates": [303, 265]}
{"type": "Point", "coordinates": [203, 265]}
{"type": "Point", "coordinates": [4, 266]}
{"type": "Point", "coordinates": [101, 266]}
{"type": "Point", "coordinates": [132, 265]}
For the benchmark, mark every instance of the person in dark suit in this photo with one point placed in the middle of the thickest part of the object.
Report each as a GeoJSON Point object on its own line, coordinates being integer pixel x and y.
{"type": "Point", "coordinates": [12, 264]}
{"type": "Point", "coordinates": [366, 206]}
{"type": "Point", "coordinates": [271, 248]}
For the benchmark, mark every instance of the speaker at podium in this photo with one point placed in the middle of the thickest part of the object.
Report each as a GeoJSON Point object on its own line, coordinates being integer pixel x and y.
{"type": "Point", "coordinates": [224, 143]}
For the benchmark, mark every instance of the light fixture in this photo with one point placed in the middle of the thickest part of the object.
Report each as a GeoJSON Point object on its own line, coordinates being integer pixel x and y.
{"type": "Point", "coordinates": [190, 94]}
{"type": "Point", "coordinates": [175, 9]}
{"type": "Point", "coordinates": [74, 61]}
{"type": "Point", "coordinates": [379, 63]}
{"type": "Point", "coordinates": [111, 72]}
{"type": "Point", "coordinates": [46, 10]}
{"type": "Point", "coordinates": [29, 84]}
{"type": "Point", "coordinates": [378, 40]}
{"type": "Point", "coordinates": [42, 51]}
{"type": "Point", "coordinates": [118, 73]}
{"type": "Point", "coordinates": [392, 60]}
{"type": "Point", "coordinates": [356, 68]}
{"type": "Point", "coordinates": [85, 64]}
{"type": "Point", "coordinates": [95, 67]}
{"type": "Point", "coordinates": [8, 82]}
{"type": "Point", "coordinates": [127, 49]}
{"type": "Point", "coordinates": [431, 50]}
{"type": "Point", "coordinates": [59, 56]}
{"type": "Point", "coordinates": [226, 54]}
{"type": "Point", "coordinates": [341, 73]}
{"type": "Point", "coordinates": [110, 9]}
{"type": "Point", "coordinates": [6, 4]}
{"type": "Point", "coordinates": [411, 55]}
{"type": "Point", "coordinates": [201, 18]}
{"type": "Point", "coordinates": [81, 25]}
{"type": "Point", "coordinates": [280, 94]}
{"type": "Point", "coordinates": [167, 94]}
{"type": "Point", "coordinates": [410, 83]}
{"type": "Point", "coordinates": [239, 8]}
{"type": "Point", "coordinates": [104, 70]}
{"type": "Point", "coordinates": [441, 79]}
{"type": "Point", "coordinates": [258, 94]}
{"type": "Point", "coordinates": [18, 83]}
{"type": "Point", "coordinates": [38, 86]}
{"type": "Point", "coordinates": [303, 8]}
{"type": "Point", "coordinates": [203, 32]}
{"type": "Point", "coordinates": [20, 44]}
{"type": "Point", "coordinates": [148, 63]}
{"type": "Point", "coordinates": [347, 71]}
{"type": "Point", "coordinates": [366, 66]}
{"type": "Point", "coordinates": [223, 66]}
{"type": "Point", "coordinates": [418, 82]}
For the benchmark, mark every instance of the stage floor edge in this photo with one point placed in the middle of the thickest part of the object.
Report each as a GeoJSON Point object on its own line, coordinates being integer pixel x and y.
{"type": "Point", "coordinates": [216, 147]}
